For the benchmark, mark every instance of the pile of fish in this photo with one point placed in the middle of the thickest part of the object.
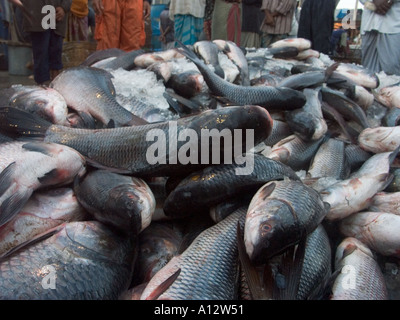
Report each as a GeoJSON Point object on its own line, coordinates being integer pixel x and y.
{"type": "Point", "coordinates": [107, 191]}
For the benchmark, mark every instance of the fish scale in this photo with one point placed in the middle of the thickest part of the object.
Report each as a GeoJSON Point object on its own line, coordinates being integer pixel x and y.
{"type": "Point", "coordinates": [209, 266]}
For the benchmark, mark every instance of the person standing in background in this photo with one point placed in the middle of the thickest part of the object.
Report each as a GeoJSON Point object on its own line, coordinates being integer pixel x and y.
{"type": "Point", "coordinates": [167, 37]}
{"type": "Point", "coordinates": [78, 25]}
{"type": "Point", "coordinates": [208, 18]}
{"type": "Point", "coordinates": [47, 44]}
{"type": "Point", "coordinates": [278, 20]}
{"type": "Point", "coordinates": [226, 22]}
{"type": "Point", "coordinates": [251, 23]}
{"type": "Point", "coordinates": [380, 34]}
{"type": "Point", "coordinates": [120, 23]}
{"type": "Point", "coordinates": [316, 23]}
{"type": "Point", "coordinates": [188, 17]}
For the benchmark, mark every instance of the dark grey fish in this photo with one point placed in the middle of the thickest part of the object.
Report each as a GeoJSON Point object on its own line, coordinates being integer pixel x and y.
{"type": "Point", "coordinates": [392, 118]}
{"type": "Point", "coordinates": [317, 266]}
{"type": "Point", "coordinates": [91, 93]}
{"type": "Point", "coordinates": [157, 245]}
{"type": "Point", "coordinates": [125, 61]}
{"type": "Point", "coordinates": [268, 97]}
{"type": "Point", "coordinates": [81, 261]}
{"type": "Point", "coordinates": [345, 106]}
{"type": "Point", "coordinates": [124, 202]}
{"type": "Point", "coordinates": [278, 218]}
{"type": "Point", "coordinates": [208, 267]}
{"type": "Point", "coordinates": [330, 161]}
{"type": "Point", "coordinates": [309, 79]}
{"type": "Point", "coordinates": [356, 156]}
{"type": "Point", "coordinates": [308, 121]}
{"type": "Point", "coordinates": [215, 184]}
{"type": "Point", "coordinates": [295, 152]}
{"type": "Point", "coordinates": [280, 130]}
{"type": "Point", "coordinates": [4, 138]}
{"type": "Point", "coordinates": [130, 150]}
{"type": "Point", "coordinates": [187, 83]}
{"type": "Point", "coordinates": [99, 55]}
{"type": "Point", "coordinates": [208, 51]}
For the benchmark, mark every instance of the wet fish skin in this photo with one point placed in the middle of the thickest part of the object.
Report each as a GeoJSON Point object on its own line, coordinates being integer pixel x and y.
{"type": "Point", "coordinates": [380, 139]}
{"type": "Point", "coordinates": [378, 230]}
{"type": "Point", "coordinates": [209, 267]}
{"type": "Point", "coordinates": [394, 186]}
{"type": "Point", "coordinates": [157, 245]}
{"type": "Point", "coordinates": [238, 57]}
{"type": "Point", "coordinates": [213, 185]}
{"type": "Point", "coordinates": [27, 166]}
{"type": "Point", "coordinates": [356, 156]}
{"type": "Point", "coordinates": [388, 202]}
{"type": "Point", "coordinates": [389, 96]}
{"type": "Point", "coordinates": [268, 97]}
{"type": "Point", "coordinates": [392, 118]}
{"type": "Point", "coordinates": [124, 202]}
{"type": "Point", "coordinates": [278, 218]}
{"type": "Point", "coordinates": [208, 51]}
{"type": "Point", "coordinates": [43, 101]}
{"type": "Point", "coordinates": [355, 193]}
{"type": "Point", "coordinates": [295, 152]}
{"type": "Point", "coordinates": [367, 282]}
{"type": "Point", "coordinates": [330, 161]}
{"type": "Point", "coordinates": [101, 55]}
{"type": "Point", "coordinates": [317, 266]}
{"type": "Point", "coordinates": [308, 122]}
{"type": "Point", "coordinates": [360, 75]}
{"type": "Point", "coordinates": [280, 130]}
{"type": "Point", "coordinates": [186, 84]}
{"type": "Point", "coordinates": [91, 92]}
{"type": "Point", "coordinates": [125, 61]}
{"type": "Point", "coordinates": [348, 108]}
{"type": "Point", "coordinates": [43, 211]}
{"type": "Point", "coordinates": [299, 43]}
{"type": "Point", "coordinates": [124, 150]}
{"type": "Point", "coordinates": [89, 261]}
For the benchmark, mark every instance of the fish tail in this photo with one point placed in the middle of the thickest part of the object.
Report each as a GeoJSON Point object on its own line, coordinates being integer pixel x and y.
{"type": "Point", "coordinates": [20, 122]}
{"type": "Point", "coordinates": [11, 200]}
{"type": "Point", "coordinates": [189, 53]}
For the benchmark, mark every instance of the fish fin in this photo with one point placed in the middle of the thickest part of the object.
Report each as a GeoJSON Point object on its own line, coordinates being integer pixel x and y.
{"type": "Point", "coordinates": [49, 177]}
{"type": "Point", "coordinates": [256, 287]}
{"type": "Point", "coordinates": [189, 53]}
{"type": "Point", "coordinates": [164, 286]}
{"type": "Point", "coordinates": [327, 206]}
{"type": "Point", "coordinates": [38, 147]}
{"type": "Point", "coordinates": [38, 238]}
{"type": "Point", "coordinates": [329, 71]}
{"type": "Point", "coordinates": [136, 121]}
{"type": "Point", "coordinates": [87, 119]}
{"type": "Point", "coordinates": [13, 120]}
{"type": "Point", "coordinates": [394, 154]}
{"type": "Point", "coordinates": [219, 71]}
{"type": "Point", "coordinates": [111, 124]}
{"type": "Point", "coordinates": [12, 205]}
{"type": "Point", "coordinates": [267, 190]}
{"type": "Point", "coordinates": [6, 177]}
{"type": "Point", "coordinates": [292, 265]}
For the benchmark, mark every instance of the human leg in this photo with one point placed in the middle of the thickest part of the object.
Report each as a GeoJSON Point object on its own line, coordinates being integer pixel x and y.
{"type": "Point", "coordinates": [108, 26]}
{"type": "Point", "coordinates": [133, 35]}
{"type": "Point", "coordinates": [40, 52]}
{"type": "Point", "coordinates": [55, 54]}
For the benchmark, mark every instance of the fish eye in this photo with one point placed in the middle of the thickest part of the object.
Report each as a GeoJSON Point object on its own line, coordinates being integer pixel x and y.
{"type": "Point", "coordinates": [265, 228]}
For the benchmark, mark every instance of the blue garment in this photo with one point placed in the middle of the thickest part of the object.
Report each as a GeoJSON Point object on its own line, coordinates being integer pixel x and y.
{"type": "Point", "coordinates": [188, 28]}
{"type": "Point", "coordinates": [47, 54]}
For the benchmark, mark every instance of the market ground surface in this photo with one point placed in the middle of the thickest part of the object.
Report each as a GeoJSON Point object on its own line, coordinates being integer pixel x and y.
{"type": "Point", "coordinates": [7, 80]}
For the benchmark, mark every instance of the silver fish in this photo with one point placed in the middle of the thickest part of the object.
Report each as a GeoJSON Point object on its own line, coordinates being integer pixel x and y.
{"type": "Point", "coordinates": [355, 193]}
{"type": "Point", "coordinates": [43, 101]}
{"type": "Point", "coordinates": [380, 139]}
{"type": "Point", "coordinates": [208, 51]}
{"type": "Point", "coordinates": [360, 276]}
{"type": "Point", "coordinates": [43, 211]}
{"type": "Point", "coordinates": [27, 166]}
{"type": "Point", "coordinates": [378, 230]}
{"type": "Point", "coordinates": [386, 202]}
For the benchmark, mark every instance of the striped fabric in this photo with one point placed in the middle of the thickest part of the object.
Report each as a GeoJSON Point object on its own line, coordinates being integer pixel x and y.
{"type": "Point", "coordinates": [283, 22]}
{"type": "Point", "coordinates": [188, 28]}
